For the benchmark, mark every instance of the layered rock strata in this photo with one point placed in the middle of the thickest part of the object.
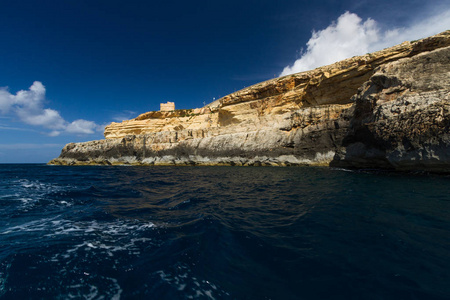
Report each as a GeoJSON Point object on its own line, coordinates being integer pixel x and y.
{"type": "Point", "coordinates": [401, 117]}
{"type": "Point", "coordinates": [388, 109]}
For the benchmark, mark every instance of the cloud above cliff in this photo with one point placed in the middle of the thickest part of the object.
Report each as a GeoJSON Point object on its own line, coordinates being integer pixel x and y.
{"type": "Point", "coordinates": [28, 107]}
{"type": "Point", "coordinates": [350, 35]}
{"type": "Point", "coordinates": [124, 115]}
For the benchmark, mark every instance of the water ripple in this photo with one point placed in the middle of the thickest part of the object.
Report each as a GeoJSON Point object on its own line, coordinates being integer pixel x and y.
{"type": "Point", "coordinates": [222, 233]}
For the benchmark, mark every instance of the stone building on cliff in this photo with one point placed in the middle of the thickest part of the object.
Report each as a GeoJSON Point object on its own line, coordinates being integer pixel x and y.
{"type": "Point", "coordinates": [169, 106]}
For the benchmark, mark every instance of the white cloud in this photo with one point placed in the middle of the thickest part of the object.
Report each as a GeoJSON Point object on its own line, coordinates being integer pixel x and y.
{"type": "Point", "coordinates": [28, 106]}
{"type": "Point", "coordinates": [6, 127]}
{"type": "Point", "coordinates": [6, 100]}
{"type": "Point", "coordinates": [347, 37]}
{"type": "Point", "coordinates": [54, 133]}
{"type": "Point", "coordinates": [83, 127]}
{"type": "Point", "coordinates": [47, 118]}
{"type": "Point", "coordinates": [125, 115]}
{"type": "Point", "coordinates": [350, 36]}
{"type": "Point", "coordinates": [433, 24]}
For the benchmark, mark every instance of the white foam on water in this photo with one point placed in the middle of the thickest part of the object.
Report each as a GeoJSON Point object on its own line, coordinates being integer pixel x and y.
{"type": "Point", "coordinates": [182, 280]}
{"type": "Point", "coordinates": [37, 225]}
{"type": "Point", "coordinates": [30, 192]}
{"type": "Point", "coordinates": [78, 290]}
{"type": "Point", "coordinates": [343, 169]}
{"type": "Point", "coordinates": [118, 290]}
{"type": "Point", "coordinates": [108, 238]}
{"type": "Point", "coordinates": [107, 241]}
{"type": "Point", "coordinates": [37, 185]}
{"type": "Point", "coordinates": [3, 279]}
{"type": "Point", "coordinates": [93, 293]}
{"type": "Point", "coordinates": [26, 200]}
{"type": "Point", "coordinates": [105, 237]}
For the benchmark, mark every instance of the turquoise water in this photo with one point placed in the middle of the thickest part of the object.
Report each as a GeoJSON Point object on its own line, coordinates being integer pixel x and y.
{"type": "Point", "coordinates": [222, 233]}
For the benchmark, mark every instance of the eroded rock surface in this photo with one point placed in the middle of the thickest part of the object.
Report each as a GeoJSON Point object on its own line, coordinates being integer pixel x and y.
{"type": "Point", "coordinates": [388, 109]}
{"type": "Point", "coordinates": [401, 118]}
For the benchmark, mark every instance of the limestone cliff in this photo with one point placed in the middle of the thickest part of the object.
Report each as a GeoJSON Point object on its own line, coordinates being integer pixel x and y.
{"type": "Point", "coordinates": [388, 109]}
{"type": "Point", "coordinates": [401, 117]}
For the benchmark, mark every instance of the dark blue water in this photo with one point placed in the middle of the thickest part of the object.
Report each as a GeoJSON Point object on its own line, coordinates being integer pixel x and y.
{"type": "Point", "coordinates": [222, 233]}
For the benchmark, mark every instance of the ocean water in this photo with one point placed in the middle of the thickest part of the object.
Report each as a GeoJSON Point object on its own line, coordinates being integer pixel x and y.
{"type": "Point", "coordinates": [222, 233]}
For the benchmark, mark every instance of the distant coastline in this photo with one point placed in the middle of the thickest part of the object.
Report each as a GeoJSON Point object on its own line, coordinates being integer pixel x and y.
{"type": "Point", "coordinates": [386, 110]}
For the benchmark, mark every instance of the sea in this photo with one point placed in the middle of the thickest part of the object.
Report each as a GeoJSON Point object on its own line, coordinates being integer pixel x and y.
{"type": "Point", "coordinates": [134, 232]}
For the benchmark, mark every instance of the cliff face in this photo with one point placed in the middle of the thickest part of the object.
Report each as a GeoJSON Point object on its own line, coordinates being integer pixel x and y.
{"type": "Point", "coordinates": [401, 117]}
{"type": "Point", "coordinates": [388, 109]}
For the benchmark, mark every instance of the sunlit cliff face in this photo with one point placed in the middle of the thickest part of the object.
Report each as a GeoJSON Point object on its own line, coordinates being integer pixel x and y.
{"type": "Point", "coordinates": [307, 118]}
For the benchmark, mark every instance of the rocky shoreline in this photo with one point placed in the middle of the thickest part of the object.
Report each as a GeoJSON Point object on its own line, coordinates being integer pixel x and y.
{"type": "Point", "coordinates": [386, 110]}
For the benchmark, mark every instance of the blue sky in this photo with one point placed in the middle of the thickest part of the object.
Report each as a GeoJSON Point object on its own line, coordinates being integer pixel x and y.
{"type": "Point", "coordinates": [67, 68]}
